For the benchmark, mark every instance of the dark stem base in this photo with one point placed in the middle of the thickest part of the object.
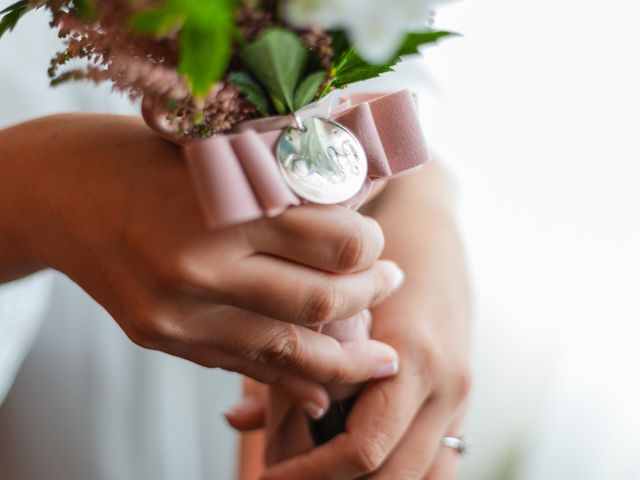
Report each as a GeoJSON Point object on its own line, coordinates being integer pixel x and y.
{"type": "Point", "coordinates": [333, 423]}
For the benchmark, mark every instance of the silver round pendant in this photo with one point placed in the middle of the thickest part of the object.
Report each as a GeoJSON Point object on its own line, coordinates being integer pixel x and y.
{"type": "Point", "coordinates": [323, 163]}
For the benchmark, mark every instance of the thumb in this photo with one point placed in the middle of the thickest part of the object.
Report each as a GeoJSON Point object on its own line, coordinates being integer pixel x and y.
{"type": "Point", "coordinates": [249, 413]}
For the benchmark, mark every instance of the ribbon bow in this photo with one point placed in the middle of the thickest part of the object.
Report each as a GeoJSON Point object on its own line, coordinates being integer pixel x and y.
{"type": "Point", "coordinates": [237, 176]}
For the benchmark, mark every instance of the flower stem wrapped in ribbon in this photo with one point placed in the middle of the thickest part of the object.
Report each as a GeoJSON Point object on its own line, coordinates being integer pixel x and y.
{"type": "Point", "coordinates": [246, 88]}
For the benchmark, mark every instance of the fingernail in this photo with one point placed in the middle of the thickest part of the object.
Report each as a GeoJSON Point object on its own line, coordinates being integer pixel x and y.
{"type": "Point", "coordinates": [246, 405]}
{"type": "Point", "coordinates": [397, 277]}
{"type": "Point", "coordinates": [313, 410]}
{"type": "Point", "coordinates": [386, 370]}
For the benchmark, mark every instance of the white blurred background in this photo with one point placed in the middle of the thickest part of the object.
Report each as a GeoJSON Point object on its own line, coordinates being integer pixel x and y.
{"type": "Point", "coordinates": [536, 110]}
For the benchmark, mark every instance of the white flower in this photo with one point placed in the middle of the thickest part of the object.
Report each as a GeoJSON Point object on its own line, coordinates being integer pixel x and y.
{"type": "Point", "coordinates": [376, 27]}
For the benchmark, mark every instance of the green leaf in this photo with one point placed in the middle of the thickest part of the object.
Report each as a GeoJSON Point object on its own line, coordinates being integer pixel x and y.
{"type": "Point", "coordinates": [22, 4]}
{"type": "Point", "coordinates": [308, 89]}
{"type": "Point", "coordinates": [415, 40]}
{"type": "Point", "coordinates": [359, 73]}
{"type": "Point", "coordinates": [86, 8]}
{"type": "Point", "coordinates": [206, 31]}
{"type": "Point", "coordinates": [339, 42]}
{"type": "Point", "coordinates": [157, 22]}
{"type": "Point", "coordinates": [280, 108]}
{"type": "Point", "coordinates": [11, 17]}
{"type": "Point", "coordinates": [204, 55]}
{"type": "Point", "coordinates": [351, 68]}
{"type": "Point", "coordinates": [277, 59]}
{"type": "Point", "coordinates": [251, 89]}
{"type": "Point", "coordinates": [13, 13]}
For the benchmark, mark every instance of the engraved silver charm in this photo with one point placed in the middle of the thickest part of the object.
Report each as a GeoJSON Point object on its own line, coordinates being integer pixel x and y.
{"type": "Point", "coordinates": [323, 163]}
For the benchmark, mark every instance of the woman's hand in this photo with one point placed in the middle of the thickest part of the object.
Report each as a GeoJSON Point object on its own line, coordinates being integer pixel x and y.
{"type": "Point", "coordinates": [105, 201]}
{"type": "Point", "coordinates": [396, 427]}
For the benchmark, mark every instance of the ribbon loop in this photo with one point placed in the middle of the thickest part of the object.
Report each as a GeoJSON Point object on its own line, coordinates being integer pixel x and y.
{"type": "Point", "coordinates": [236, 175]}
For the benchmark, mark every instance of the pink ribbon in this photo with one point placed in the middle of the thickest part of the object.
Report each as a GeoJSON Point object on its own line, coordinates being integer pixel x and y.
{"type": "Point", "coordinates": [238, 180]}
{"type": "Point", "coordinates": [237, 177]}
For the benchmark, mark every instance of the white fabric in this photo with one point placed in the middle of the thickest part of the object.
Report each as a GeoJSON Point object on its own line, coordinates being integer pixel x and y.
{"type": "Point", "coordinates": [23, 305]}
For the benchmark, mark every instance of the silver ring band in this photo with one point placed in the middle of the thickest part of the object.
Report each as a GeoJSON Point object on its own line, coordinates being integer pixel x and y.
{"type": "Point", "coordinates": [459, 444]}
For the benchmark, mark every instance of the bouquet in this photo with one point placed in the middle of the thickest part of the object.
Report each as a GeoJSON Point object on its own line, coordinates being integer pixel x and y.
{"type": "Point", "coordinates": [216, 63]}
{"type": "Point", "coordinates": [248, 89]}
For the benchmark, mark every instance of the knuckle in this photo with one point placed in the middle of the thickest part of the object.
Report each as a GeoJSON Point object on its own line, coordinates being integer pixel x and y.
{"type": "Point", "coordinates": [462, 383]}
{"type": "Point", "coordinates": [369, 457]}
{"type": "Point", "coordinates": [173, 269]}
{"type": "Point", "coordinates": [338, 374]}
{"type": "Point", "coordinates": [274, 377]}
{"type": "Point", "coordinates": [339, 370]}
{"type": "Point", "coordinates": [351, 254]}
{"type": "Point", "coordinates": [323, 304]}
{"type": "Point", "coordinates": [169, 260]}
{"type": "Point", "coordinates": [186, 269]}
{"type": "Point", "coordinates": [381, 289]}
{"type": "Point", "coordinates": [154, 325]}
{"type": "Point", "coordinates": [427, 352]}
{"type": "Point", "coordinates": [385, 401]}
{"type": "Point", "coordinates": [360, 245]}
{"type": "Point", "coordinates": [431, 365]}
{"type": "Point", "coordinates": [281, 349]}
{"type": "Point", "coordinates": [424, 354]}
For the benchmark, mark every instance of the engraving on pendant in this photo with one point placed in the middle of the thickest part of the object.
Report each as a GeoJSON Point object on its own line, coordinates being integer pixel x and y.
{"type": "Point", "coordinates": [324, 163]}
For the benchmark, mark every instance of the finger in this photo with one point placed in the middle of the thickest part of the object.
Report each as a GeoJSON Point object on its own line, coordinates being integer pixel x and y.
{"type": "Point", "coordinates": [447, 461]}
{"type": "Point", "coordinates": [381, 416]}
{"type": "Point", "coordinates": [330, 238]}
{"type": "Point", "coordinates": [311, 396]}
{"type": "Point", "coordinates": [248, 414]}
{"type": "Point", "coordinates": [418, 449]}
{"type": "Point", "coordinates": [270, 348]}
{"type": "Point", "coordinates": [275, 352]}
{"type": "Point", "coordinates": [252, 444]}
{"type": "Point", "coordinates": [296, 294]}
{"type": "Point", "coordinates": [445, 467]}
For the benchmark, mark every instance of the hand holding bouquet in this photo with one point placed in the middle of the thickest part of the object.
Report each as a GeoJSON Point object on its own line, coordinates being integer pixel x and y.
{"type": "Point", "coordinates": [244, 87]}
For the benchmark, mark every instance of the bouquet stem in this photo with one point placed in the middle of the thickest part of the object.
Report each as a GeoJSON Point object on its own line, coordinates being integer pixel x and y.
{"type": "Point", "coordinates": [333, 423]}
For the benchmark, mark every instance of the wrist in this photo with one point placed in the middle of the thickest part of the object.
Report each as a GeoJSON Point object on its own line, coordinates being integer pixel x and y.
{"type": "Point", "coordinates": [419, 221]}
